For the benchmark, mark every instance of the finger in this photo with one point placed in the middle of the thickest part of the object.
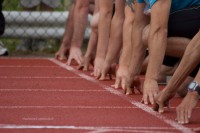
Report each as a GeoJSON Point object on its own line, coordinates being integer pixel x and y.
{"type": "Point", "coordinates": [123, 84]}
{"type": "Point", "coordinates": [145, 98]}
{"type": "Point", "coordinates": [189, 113]}
{"type": "Point", "coordinates": [69, 61]}
{"type": "Point", "coordinates": [103, 77]}
{"type": "Point", "coordinates": [186, 117]}
{"type": "Point", "coordinates": [117, 83]}
{"type": "Point", "coordinates": [178, 114]}
{"type": "Point", "coordinates": [161, 108]}
{"type": "Point", "coordinates": [151, 98]}
{"type": "Point", "coordinates": [86, 66]}
{"type": "Point", "coordinates": [181, 116]}
{"type": "Point", "coordinates": [57, 56]}
{"type": "Point", "coordinates": [129, 91]}
{"type": "Point", "coordinates": [78, 60]}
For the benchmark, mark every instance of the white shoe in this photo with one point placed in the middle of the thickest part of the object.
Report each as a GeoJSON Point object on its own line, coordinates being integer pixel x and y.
{"type": "Point", "coordinates": [3, 50]}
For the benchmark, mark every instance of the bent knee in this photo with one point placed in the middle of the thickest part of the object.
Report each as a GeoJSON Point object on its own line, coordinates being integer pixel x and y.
{"type": "Point", "coordinates": [145, 35]}
{"type": "Point", "coordinates": [95, 20]}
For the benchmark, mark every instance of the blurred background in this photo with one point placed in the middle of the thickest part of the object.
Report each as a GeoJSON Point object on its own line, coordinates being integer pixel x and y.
{"type": "Point", "coordinates": [35, 29]}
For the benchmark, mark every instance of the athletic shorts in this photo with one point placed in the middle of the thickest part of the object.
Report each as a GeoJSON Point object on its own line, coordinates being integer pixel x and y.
{"type": "Point", "coordinates": [183, 23]}
{"type": "Point", "coordinates": [33, 3]}
{"type": "Point", "coordinates": [2, 19]}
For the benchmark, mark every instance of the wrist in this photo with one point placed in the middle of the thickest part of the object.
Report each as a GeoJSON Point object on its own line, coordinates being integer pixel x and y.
{"type": "Point", "coordinates": [194, 88]}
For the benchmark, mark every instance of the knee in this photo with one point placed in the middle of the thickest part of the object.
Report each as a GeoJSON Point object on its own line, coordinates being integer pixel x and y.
{"type": "Point", "coordinates": [145, 35]}
{"type": "Point", "coordinates": [94, 21]}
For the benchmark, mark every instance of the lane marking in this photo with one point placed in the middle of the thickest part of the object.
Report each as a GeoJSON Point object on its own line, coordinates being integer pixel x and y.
{"type": "Point", "coordinates": [21, 66]}
{"type": "Point", "coordinates": [38, 119]}
{"type": "Point", "coordinates": [106, 129]}
{"type": "Point", "coordinates": [145, 108]}
{"type": "Point", "coordinates": [53, 90]}
{"type": "Point", "coordinates": [36, 77]}
{"type": "Point", "coordinates": [68, 107]}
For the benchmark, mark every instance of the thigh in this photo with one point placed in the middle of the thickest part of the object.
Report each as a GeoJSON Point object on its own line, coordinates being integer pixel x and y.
{"type": "Point", "coordinates": [184, 23]}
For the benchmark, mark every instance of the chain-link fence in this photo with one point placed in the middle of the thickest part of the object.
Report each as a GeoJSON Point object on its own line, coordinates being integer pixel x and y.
{"type": "Point", "coordinates": [32, 19]}
{"type": "Point", "coordinates": [30, 22]}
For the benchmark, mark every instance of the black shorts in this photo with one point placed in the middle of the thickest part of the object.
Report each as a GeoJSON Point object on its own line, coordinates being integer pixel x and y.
{"type": "Point", "coordinates": [2, 19]}
{"type": "Point", "coordinates": [183, 23]}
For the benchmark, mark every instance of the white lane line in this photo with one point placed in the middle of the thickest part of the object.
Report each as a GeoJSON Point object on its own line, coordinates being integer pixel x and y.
{"type": "Point", "coordinates": [135, 103]}
{"type": "Point", "coordinates": [23, 66]}
{"type": "Point", "coordinates": [37, 118]}
{"type": "Point", "coordinates": [53, 90]}
{"type": "Point", "coordinates": [118, 129]}
{"type": "Point", "coordinates": [36, 77]}
{"type": "Point", "coordinates": [68, 107]}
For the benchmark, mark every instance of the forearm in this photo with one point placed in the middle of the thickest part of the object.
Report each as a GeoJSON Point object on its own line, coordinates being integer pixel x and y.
{"type": "Point", "coordinates": [68, 28]}
{"type": "Point", "coordinates": [115, 41]}
{"type": "Point", "coordinates": [189, 61]}
{"type": "Point", "coordinates": [104, 29]}
{"type": "Point", "coordinates": [157, 45]}
{"type": "Point", "coordinates": [126, 48]}
{"type": "Point", "coordinates": [138, 50]}
{"type": "Point", "coordinates": [80, 23]}
{"type": "Point", "coordinates": [91, 49]}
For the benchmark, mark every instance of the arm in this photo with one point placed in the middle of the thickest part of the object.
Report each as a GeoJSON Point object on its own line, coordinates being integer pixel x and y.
{"type": "Point", "coordinates": [124, 60]}
{"type": "Point", "coordinates": [115, 40]}
{"type": "Point", "coordinates": [138, 49]}
{"type": "Point", "coordinates": [80, 22]}
{"type": "Point", "coordinates": [157, 44]}
{"type": "Point", "coordinates": [189, 61]}
{"type": "Point", "coordinates": [66, 41]}
{"type": "Point", "coordinates": [105, 7]}
{"type": "Point", "coordinates": [92, 44]}
{"type": "Point", "coordinates": [184, 110]}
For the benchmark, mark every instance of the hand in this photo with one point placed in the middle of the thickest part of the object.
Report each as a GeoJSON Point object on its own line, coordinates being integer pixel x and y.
{"type": "Point", "coordinates": [108, 70]}
{"type": "Point", "coordinates": [86, 63]}
{"type": "Point", "coordinates": [62, 53]}
{"type": "Point", "coordinates": [184, 110]}
{"type": "Point", "coordinates": [162, 100]}
{"type": "Point", "coordinates": [75, 53]}
{"type": "Point", "coordinates": [151, 90]}
{"type": "Point", "coordinates": [98, 64]}
{"type": "Point", "coordinates": [121, 77]}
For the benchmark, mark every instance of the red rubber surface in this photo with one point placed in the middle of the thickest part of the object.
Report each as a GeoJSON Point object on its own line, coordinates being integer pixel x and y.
{"type": "Point", "coordinates": [37, 95]}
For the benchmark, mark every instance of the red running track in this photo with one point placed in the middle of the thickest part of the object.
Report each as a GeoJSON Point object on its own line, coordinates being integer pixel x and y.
{"type": "Point", "coordinates": [45, 95]}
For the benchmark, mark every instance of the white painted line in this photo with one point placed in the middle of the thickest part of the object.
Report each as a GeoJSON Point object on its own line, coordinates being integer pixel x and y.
{"type": "Point", "coordinates": [22, 77]}
{"type": "Point", "coordinates": [68, 107]}
{"type": "Point", "coordinates": [106, 129]}
{"type": "Point", "coordinates": [38, 119]}
{"type": "Point", "coordinates": [53, 90]}
{"type": "Point", "coordinates": [22, 66]}
{"type": "Point", "coordinates": [145, 108]}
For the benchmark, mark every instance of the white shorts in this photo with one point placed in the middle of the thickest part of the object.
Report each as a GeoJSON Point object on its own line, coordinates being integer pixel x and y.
{"type": "Point", "coordinates": [33, 3]}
